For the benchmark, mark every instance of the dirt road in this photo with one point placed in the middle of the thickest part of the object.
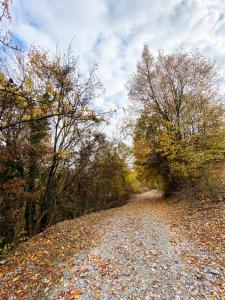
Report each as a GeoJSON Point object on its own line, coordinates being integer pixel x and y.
{"type": "Point", "coordinates": [139, 257]}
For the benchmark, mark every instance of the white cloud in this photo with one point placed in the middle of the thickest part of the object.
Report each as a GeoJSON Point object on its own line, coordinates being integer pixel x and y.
{"type": "Point", "coordinates": [113, 32]}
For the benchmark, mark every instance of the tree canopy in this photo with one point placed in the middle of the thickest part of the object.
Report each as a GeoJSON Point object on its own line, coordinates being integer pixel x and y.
{"type": "Point", "coordinates": [56, 163]}
{"type": "Point", "coordinates": [180, 130]}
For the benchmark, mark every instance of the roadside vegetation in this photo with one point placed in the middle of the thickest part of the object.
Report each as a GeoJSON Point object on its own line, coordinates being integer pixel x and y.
{"type": "Point", "coordinates": [179, 136]}
{"type": "Point", "coordinates": [56, 163]}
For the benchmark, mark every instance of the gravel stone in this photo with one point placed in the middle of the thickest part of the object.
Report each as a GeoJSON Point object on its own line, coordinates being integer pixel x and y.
{"type": "Point", "coordinates": [139, 257]}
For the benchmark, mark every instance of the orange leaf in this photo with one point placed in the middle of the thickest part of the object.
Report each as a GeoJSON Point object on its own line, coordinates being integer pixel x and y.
{"type": "Point", "coordinates": [75, 294]}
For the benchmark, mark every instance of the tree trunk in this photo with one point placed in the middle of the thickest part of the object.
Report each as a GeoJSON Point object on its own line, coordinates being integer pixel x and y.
{"type": "Point", "coordinates": [47, 203]}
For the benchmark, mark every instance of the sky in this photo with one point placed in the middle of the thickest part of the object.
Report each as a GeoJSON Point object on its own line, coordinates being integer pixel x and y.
{"type": "Point", "coordinates": [113, 32]}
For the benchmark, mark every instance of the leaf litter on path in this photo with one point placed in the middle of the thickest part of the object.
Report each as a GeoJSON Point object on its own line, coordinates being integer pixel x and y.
{"type": "Point", "coordinates": [151, 248]}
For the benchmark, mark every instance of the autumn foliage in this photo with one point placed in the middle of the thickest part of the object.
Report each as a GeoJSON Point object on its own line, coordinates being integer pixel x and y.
{"type": "Point", "coordinates": [56, 164]}
{"type": "Point", "coordinates": [180, 130]}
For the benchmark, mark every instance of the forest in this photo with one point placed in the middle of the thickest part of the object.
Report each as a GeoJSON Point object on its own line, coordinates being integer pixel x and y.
{"type": "Point", "coordinates": [57, 162]}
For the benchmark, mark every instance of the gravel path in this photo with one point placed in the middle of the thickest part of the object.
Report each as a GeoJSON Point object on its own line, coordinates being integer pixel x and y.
{"type": "Point", "coordinates": [139, 257]}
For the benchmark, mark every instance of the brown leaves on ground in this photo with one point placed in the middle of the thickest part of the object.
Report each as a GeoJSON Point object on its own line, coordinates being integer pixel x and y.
{"type": "Point", "coordinates": [204, 223]}
{"type": "Point", "coordinates": [33, 266]}
{"type": "Point", "coordinates": [200, 222]}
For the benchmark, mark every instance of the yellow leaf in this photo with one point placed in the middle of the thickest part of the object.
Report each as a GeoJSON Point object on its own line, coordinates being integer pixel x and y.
{"type": "Point", "coordinates": [49, 88]}
{"type": "Point", "coordinates": [68, 107]}
{"type": "Point", "coordinates": [4, 123]}
{"type": "Point", "coordinates": [15, 279]}
{"type": "Point", "coordinates": [37, 112]}
{"type": "Point", "coordinates": [26, 117]}
{"type": "Point", "coordinates": [28, 83]}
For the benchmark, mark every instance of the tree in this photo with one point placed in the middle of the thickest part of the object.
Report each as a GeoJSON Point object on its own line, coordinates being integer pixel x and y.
{"type": "Point", "coordinates": [69, 94]}
{"type": "Point", "coordinates": [97, 181]}
{"type": "Point", "coordinates": [6, 35]}
{"type": "Point", "coordinates": [180, 130]}
{"type": "Point", "coordinates": [54, 158]}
